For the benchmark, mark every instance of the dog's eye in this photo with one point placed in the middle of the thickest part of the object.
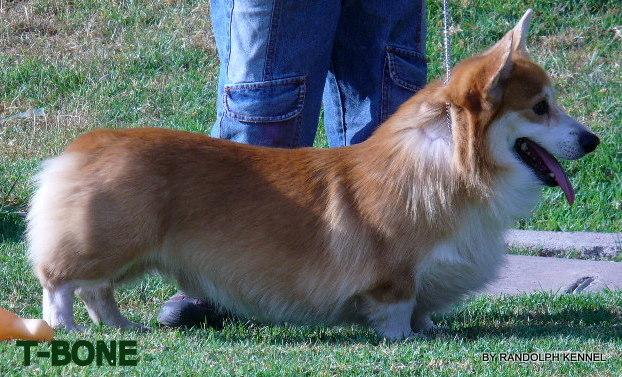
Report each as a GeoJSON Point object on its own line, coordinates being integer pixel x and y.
{"type": "Point", "coordinates": [541, 107]}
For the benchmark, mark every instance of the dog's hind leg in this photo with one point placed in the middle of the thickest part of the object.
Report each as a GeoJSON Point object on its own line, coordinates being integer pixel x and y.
{"type": "Point", "coordinates": [46, 308]}
{"type": "Point", "coordinates": [103, 308]}
{"type": "Point", "coordinates": [58, 307]}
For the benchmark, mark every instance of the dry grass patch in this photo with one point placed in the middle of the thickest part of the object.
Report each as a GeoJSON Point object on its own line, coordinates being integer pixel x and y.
{"type": "Point", "coordinates": [63, 32]}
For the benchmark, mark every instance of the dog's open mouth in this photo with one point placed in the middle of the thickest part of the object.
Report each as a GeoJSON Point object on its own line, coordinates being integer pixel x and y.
{"type": "Point", "coordinates": [545, 166]}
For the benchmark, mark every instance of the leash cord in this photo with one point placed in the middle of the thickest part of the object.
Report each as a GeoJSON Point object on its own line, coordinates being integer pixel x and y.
{"type": "Point", "coordinates": [447, 45]}
{"type": "Point", "coordinates": [447, 39]}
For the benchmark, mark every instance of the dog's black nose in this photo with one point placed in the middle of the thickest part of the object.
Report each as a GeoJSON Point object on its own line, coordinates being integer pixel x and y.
{"type": "Point", "coordinates": [588, 141]}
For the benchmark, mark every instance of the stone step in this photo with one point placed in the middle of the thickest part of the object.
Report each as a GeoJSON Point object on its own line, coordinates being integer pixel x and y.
{"type": "Point", "coordinates": [591, 245]}
{"type": "Point", "coordinates": [528, 274]}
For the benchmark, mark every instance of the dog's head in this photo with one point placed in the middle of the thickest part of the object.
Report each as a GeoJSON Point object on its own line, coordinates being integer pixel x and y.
{"type": "Point", "coordinates": [506, 116]}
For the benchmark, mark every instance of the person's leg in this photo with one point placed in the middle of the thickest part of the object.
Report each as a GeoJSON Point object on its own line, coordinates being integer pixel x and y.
{"type": "Point", "coordinates": [378, 62]}
{"type": "Point", "coordinates": [274, 56]}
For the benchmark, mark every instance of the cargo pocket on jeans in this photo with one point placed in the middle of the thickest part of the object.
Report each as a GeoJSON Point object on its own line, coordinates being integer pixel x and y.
{"type": "Point", "coordinates": [405, 73]}
{"type": "Point", "coordinates": [267, 112]}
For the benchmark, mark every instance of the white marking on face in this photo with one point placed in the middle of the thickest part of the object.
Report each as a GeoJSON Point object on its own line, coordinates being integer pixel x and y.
{"type": "Point", "coordinates": [555, 131]}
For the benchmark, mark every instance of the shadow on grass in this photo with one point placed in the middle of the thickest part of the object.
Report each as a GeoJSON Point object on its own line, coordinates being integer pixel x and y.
{"type": "Point", "coordinates": [12, 227]}
{"type": "Point", "coordinates": [585, 324]}
{"type": "Point", "coordinates": [530, 331]}
{"type": "Point", "coordinates": [594, 323]}
{"type": "Point", "coordinates": [243, 331]}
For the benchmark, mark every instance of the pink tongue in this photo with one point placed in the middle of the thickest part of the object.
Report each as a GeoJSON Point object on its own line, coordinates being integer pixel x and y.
{"type": "Point", "coordinates": [557, 170]}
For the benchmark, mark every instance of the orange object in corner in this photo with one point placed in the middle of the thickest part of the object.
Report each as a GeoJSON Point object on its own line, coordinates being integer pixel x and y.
{"type": "Point", "coordinates": [13, 327]}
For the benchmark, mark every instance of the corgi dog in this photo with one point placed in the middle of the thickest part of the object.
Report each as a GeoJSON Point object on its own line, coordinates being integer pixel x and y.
{"type": "Point", "coordinates": [383, 233]}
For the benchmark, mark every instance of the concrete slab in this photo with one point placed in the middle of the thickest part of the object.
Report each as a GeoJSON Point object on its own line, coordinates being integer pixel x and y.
{"type": "Point", "coordinates": [526, 274]}
{"type": "Point", "coordinates": [589, 244]}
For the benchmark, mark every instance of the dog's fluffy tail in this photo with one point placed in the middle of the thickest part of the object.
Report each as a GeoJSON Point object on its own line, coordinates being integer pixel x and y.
{"type": "Point", "coordinates": [47, 217]}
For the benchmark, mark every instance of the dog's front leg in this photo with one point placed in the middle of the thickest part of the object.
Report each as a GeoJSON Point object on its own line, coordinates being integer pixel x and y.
{"type": "Point", "coordinates": [391, 319]}
{"type": "Point", "coordinates": [422, 323]}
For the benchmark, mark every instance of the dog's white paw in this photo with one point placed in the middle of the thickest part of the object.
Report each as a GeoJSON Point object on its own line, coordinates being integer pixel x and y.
{"type": "Point", "coordinates": [399, 334]}
{"type": "Point", "coordinates": [139, 327]}
{"type": "Point", "coordinates": [133, 326]}
{"type": "Point", "coordinates": [71, 327]}
{"type": "Point", "coordinates": [423, 324]}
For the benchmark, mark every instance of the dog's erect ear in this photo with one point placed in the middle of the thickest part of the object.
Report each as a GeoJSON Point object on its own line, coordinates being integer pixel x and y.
{"type": "Point", "coordinates": [499, 67]}
{"type": "Point", "coordinates": [520, 32]}
{"type": "Point", "coordinates": [500, 55]}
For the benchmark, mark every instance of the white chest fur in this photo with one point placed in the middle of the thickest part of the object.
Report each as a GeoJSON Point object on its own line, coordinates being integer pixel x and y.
{"type": "Point", "coordinates": [472, 256]}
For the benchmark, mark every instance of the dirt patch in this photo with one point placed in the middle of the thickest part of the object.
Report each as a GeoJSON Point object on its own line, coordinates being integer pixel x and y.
{"type": "Point", "coordinates": [62, 33]}
{"type": "Point", "coordinates": [41, 136]}
{"type": "Point", "coordinates": [29, 33]}
{"type": "Point", "coordinates": [570, 38]}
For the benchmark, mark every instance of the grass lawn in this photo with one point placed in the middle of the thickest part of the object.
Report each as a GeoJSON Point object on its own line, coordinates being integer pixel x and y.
{"type": "Point", "coordinates": [112, 63]}
{"type": "Point", "coordinates": [531, 323]}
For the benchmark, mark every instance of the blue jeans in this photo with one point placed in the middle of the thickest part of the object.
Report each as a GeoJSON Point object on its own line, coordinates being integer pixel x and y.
{"type": "Point", "coordinates": [280, 59]}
